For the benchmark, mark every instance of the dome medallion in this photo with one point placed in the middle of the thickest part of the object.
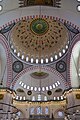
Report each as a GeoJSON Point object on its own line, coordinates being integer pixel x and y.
{"type": "Point", "coordinates": [39, 40]}
{"type": "Point", "coordinates": [39, 26]}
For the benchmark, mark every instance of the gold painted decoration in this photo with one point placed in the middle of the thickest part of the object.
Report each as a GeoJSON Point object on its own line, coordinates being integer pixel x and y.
{"type": "Point", "coordinates": [1, 96]}
{"type": "Point", "coordinates": [39, 75]}
{"type": "Point", "coordinates": [77, 96]}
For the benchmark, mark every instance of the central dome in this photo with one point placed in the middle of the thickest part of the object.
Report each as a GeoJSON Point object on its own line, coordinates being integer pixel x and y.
{"type": "Point", "coordinates": [39, 40]}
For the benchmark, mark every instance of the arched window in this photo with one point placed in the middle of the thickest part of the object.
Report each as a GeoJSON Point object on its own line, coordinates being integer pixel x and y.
{"type": "Point", "coordinates": [39, 110]}
{"type": "Point", "coordinates": [75, 65]}
{"type": "Point", "coordinates": [46, 110]}
{"type": "Point", "coordinates": [39, 97]}
{"type": "Point", "coordinates": [33, 98]}
{"type": "Point", "coordinates": [32, 111]}
{"type": "Point", "coordinates": [60, 114]}
{"type": "Point", "coordinates": [45, 98]}
{"type": "Point", "coordinates": [19, 113]}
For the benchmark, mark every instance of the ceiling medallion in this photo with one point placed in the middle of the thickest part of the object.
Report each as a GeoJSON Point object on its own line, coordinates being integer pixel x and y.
{"type": "Point", "coordinates": [29, 92]}
{"type": "Point", "coordinates": [17, 66]}
{"type": "Point", "coordinates": [49, 92]}
{"type": "Point", "coordinates": [61, 66]}
{"type": "Point", "coordinates": [39, 26]}
{"type": "Point", "coordinates": [39, 40]}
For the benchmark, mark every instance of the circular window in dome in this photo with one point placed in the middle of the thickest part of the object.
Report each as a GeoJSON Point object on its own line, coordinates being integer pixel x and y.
{"type": "Point", "coordinates": [17, 66]}
{"type": "Point", "coordinates": [61, 66]}
{"type": "Point", "coordinates": [49, 92]}
{"type": "Point", "coordinates": [39, 40]}
{"type": "Point", "coordinates": [29, 92]}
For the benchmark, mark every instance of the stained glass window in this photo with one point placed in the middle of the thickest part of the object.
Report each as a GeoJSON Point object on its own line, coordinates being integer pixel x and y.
{"type": "Point", "coordinates": [32, 111]}
{"type": "Point", "coordinates": [39, 110]}
{"type": "Point", "coordinates": [46, 110]}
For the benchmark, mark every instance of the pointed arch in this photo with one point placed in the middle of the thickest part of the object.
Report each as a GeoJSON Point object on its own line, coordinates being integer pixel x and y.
{"type": "Point", "coordinates": [72, 62]}
{"type": "Point", "coordinates": [4, 43]}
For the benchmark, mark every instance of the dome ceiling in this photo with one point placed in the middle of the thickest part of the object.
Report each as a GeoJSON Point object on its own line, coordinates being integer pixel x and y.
{"type": "Point", "coordinates": [39, 40]}
{"type": "Point", "coordinates": [25, 3]}
{"type": "Point", "coordinates": [39, 78]}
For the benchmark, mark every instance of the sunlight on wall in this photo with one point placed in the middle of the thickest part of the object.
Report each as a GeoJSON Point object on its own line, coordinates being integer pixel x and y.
{"type": "Point", "coordinates": [2, 61]}
{"type": "Point", "coordinates": [75, 82]}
